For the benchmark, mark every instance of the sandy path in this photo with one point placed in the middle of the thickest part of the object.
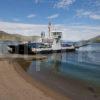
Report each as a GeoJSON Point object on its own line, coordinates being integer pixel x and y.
{"type": "Point", "coordinates": [14, 87]}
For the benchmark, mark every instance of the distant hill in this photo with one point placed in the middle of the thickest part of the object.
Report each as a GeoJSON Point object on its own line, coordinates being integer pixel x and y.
{"type": "Point", "coordinates": [86, 42]}
{"type": "Point", "coordinates": [95, 39]}
{"type": "Point", "coordinates": [17, 37]}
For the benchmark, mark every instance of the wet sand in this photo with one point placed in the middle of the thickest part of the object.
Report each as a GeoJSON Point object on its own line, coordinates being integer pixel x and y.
{"type": "Point", "coordinates": [15, 84]}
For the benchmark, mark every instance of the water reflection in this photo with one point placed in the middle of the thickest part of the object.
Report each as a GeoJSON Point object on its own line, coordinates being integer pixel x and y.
{"type": "Point", "coordinates": [68, 65]}
{"type": "Point", "coordinates": [56, 62]}
{"type": "Point", "coordinates": [61, 68]}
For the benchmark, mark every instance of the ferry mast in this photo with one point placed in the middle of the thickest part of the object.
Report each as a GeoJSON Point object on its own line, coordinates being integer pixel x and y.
{"type": "Point", "coordinates": [49, 29]}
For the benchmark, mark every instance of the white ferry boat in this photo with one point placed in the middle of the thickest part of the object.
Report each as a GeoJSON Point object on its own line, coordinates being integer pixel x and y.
{"type": "Point", "coordinates": [49, 44]}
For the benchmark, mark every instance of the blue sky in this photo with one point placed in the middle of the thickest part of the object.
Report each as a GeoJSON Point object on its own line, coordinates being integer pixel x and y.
{"type": "Point", "coordinates": [78, 17]}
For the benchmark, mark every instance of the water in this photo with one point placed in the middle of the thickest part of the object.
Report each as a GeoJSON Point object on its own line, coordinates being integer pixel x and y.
{"type": "Point", "coordinates": [84, 64]}
{"type": "Point", "coordinates": [4, 46]}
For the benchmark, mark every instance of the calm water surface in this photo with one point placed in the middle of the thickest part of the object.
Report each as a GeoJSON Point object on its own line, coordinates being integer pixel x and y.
{"type": "Point", "coordinates": [84, 64]}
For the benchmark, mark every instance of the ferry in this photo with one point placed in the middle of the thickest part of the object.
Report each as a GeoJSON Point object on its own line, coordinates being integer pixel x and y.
{"type": "Point", "coordinates": [49, 44]}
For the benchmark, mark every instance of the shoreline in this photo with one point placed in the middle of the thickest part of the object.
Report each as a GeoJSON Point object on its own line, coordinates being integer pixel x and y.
{"type": "Point", "coordinates": [71, 88]}
{"type": "Point", "coordinates": [38, 85]}
{"type": "Point", "coordinates": [16, 84]}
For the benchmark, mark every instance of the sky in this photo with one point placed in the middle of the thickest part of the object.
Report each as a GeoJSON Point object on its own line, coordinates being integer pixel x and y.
{"type": "Point", "coordinates": [77, 19]}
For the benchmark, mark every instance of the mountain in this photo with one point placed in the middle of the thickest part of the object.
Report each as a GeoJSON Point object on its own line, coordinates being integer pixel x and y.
{"type": "Point", "coordinates": [86, 42]}
{"type": "Point", "coordinates": [95, 39]}
{"type": "Point", "coordinates": [17, 37]}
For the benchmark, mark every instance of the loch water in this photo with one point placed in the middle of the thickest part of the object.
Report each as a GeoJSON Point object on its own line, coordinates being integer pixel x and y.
{"type": "Point", "coordinates": [83, 64]}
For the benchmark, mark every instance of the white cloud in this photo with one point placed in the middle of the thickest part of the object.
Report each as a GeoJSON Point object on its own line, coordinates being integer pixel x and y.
{"type": "Point", "coordinates": [88, 14]}
{"type": "Point", "coordinates": [31, 16]}
{"type": "Point", "coordinates": [20, 28]}
{"type": "Point", "coordinates": [79, 32]}
{"type": "Point", "coordinates": [1, 19]}
{"type": "Point", "coordinates": [53, 16]}
{"type": "Point", "coordinates": [64, 3]}
{"type": "Point", "coordinates": [74, 33]}
{"type": "Point", "coordinates": [38, 1]}
{"type": "Point", "coordinates": [94, 16]}
{"type": "Point", "coordinates": [16, 19]}
{"type": "Point", "coordinates": [81, 13]}
{"type": "Point", "coordinates": [96, 2]}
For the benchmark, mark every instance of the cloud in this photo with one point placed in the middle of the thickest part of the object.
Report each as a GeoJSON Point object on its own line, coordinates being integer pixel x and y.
{"type": "Point", "coordinates": [94, 16]}
{"type": "Point", "coordinates": [31, 16]}
{"type": "Point", "coordinates": [1, 19]}
{"type": "Point", "coordinates": [53, 16]}
{"type": "Point", "coordinates": [70, 33]}
{"type": "Point", "coordinates": [81, 13]}
{"type": "Point", "coordinates": [16, 19]}
{"type": "Point", "coordinates": [38, 1]}
{"type": "Point", "coordinates": [64, 3]}
{"type": "Point", "coordinates": [78, 32]}
{"type": "Point", "coordinates": [88, 14]}
{"type": "Point", "coordinates": [96, 2]}
{"type": "Point", "coordinates": [23, 29]}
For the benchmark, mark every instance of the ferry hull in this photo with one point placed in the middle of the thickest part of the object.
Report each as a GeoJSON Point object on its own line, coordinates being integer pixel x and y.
{"type": "Point", "coordinates": [53, 51]}
{"type": "Point", "coordinates": [25, 50]}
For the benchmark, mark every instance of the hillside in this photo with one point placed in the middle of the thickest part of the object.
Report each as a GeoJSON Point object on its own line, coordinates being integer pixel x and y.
{"type": "Point", "coordinates": [17, 37]}
{"type": "Point", "coordinates": [95, 39]}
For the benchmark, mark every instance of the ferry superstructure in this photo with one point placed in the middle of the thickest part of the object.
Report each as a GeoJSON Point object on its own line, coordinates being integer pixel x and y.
{"type": "Point", "coordinates": [52, 43]}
